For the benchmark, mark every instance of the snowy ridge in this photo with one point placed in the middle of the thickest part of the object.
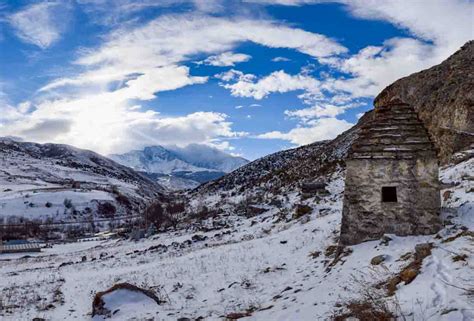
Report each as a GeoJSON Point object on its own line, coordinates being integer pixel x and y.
{"type": "Point", "coordinates": [181, 162]}
{"type": "Point", "coordinates": [61, 182]}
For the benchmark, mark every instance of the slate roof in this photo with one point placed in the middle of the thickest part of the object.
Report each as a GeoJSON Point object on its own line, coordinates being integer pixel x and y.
{"type": "Point", "coordinates": [395, 132]}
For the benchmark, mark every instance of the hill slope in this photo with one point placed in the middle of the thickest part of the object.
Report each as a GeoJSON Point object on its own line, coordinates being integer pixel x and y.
{"type": "Point", "coordinates": [61, 182]}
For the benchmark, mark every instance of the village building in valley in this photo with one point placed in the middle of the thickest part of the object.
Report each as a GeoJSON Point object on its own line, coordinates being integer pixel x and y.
{"type": "Point", "coordinates": [392, 178]}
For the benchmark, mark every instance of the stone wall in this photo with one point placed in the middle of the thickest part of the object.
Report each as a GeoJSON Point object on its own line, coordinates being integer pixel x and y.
{"type": "Point", "coordinates": [366, 217]}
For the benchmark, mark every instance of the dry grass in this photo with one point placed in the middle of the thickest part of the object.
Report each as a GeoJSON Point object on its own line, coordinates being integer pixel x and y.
{"type": "Point", "coordinates": [409, 272]}
{"type": "Point", "coordinates": [460, 234]}
{"type": "Point", "coordinates": [365, 310]}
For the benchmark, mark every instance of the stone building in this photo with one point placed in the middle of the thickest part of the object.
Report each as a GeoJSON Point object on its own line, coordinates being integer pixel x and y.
{"type": "Point", "coordinates": [391, 178]}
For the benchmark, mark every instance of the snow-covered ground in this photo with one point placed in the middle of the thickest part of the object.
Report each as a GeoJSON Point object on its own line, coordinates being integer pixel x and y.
{"type": "Point", "coordinates": [267, 267]}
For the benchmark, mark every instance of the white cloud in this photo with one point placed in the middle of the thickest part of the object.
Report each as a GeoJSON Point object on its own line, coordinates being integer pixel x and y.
{"type": "Point", "coordinates": [174, 38]}
{"type": "Point", "coordinates": [317, 111]}
{"type": "Point", "coordinates": [233, 74]}
{"type": "Point", "coordinates": [375, 67]}
{"type": "Point", "coordinates": [278, 81]}
{"type": "Point", "coordinates": [444, 22]}
{"type": "Point", "coordinates": [280, 59]}
{"type": "Point", "coordinates": [226, 59]}
{"type": "Point", "coordinates": [115, 12]}
{"type": "Point", "coordinates": [40, 24]}
{"type": "Point", "coordinates": [320, 129]}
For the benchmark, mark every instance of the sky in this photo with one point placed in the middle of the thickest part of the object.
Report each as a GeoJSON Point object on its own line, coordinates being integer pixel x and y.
{"type": "Point", "coordinates": [250, 77]}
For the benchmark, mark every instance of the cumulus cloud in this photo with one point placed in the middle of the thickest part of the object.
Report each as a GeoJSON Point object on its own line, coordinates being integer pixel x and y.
{"type": "Point", "coordinates": [226, 59]}
{"type": "Point", "coordinates": [276, 82]}
{"type": "Point", "coordinates": [40, 24]}
{"type": "Point", "coordinates": [317, 111]}
{"type": "Point", "coordinates": [47, 129]}
{"type": "Point", "coordinates": [106, 122]}
{"type": "Point", "coordinates": [320, 129]}
{"type": "Point", "coordinates": [173, 39]}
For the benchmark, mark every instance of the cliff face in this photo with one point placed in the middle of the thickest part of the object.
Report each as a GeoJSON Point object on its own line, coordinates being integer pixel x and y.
{"type": "Point", "coordinates": [443, 96]}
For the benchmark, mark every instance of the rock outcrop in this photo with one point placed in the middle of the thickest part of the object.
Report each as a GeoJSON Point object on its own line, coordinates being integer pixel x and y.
{"type": "Point", "coordinates": [443, 96]}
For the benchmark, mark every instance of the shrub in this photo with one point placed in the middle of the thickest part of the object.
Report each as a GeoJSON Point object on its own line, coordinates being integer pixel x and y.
{"type": "Point", "coordinates": [123, 200]}
{"type": "Point", "coordinates": [67, 203]}
{"type": "Point", "coordinates": [156, 214]}
{"type": "Point", "coordinates": [302, 210]}
{"type": "Point", "coordinates": [106, 209]}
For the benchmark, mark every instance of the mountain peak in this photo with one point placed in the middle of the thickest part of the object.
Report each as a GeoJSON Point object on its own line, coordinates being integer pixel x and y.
{"type": "Point", "coordinates": [196, 163]}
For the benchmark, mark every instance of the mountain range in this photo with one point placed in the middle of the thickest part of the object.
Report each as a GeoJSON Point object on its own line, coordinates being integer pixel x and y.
{"type": "Point", "coordinates": [180, 167]}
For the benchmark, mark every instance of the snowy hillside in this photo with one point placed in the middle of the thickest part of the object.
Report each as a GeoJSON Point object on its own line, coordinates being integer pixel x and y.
{"type": "Point", "coordinates": [276, 178]}
{"type": "Point", "coordinates": [181, 167]}
{"type": "Point", "coordinates": [279, 265]}
{"type": "Point", "coordinates": [60, 182]}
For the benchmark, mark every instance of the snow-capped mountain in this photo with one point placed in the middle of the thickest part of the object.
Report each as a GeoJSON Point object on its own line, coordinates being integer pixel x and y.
{"type": "Point", "coordinates": [181, 167]}
{"type": "Point", "coordinates": [60, 182]}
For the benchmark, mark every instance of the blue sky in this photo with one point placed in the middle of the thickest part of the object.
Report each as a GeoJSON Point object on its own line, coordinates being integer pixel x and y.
{"type": "Point", "coordinates": [249, 77]}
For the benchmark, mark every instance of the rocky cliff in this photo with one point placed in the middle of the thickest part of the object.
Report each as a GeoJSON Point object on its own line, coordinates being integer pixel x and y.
{"type": "Point", "coordinates": [443, 96]}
